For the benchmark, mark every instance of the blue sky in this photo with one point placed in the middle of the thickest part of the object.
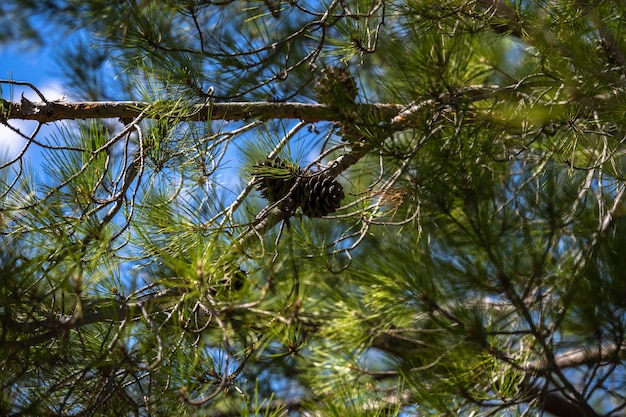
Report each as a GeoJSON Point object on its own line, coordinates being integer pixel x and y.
{"type": "Point", "coordinates": [37, 67]}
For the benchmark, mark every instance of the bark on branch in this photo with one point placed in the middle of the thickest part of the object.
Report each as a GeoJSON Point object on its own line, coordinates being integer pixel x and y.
{"type": "Point", "coordinates": [557, 405]}
{"type": "Point", "coordinates": [577, 357]}
{"type": "Point", "coordinates": [54, 111]}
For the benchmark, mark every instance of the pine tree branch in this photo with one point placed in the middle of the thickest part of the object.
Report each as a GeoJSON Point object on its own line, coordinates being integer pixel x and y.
{"type": "Point", "coordinates": [577, 357]}
{"type": "Point", "coordinates": [504, 18]}
{"type": "Point", "coordinates": [53, 111]}
{"type": "Point", "coordinates": [398, 115]}
{"type": "Point", "coordinates": [556, 404]}
{"type": "Point", "coordinates": [36, 332]}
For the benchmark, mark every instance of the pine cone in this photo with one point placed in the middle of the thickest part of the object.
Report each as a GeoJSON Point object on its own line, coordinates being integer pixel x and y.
{"type": "Point", "coordinates": [275, 179]}
{"type": "Point", "coordinates": [336, 87]}
{"type": "Point", "coordinates": [319, 195]}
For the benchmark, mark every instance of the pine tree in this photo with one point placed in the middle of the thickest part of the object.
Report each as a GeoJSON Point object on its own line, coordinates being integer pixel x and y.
{"type": "Point", "coordinates": [450, 174]}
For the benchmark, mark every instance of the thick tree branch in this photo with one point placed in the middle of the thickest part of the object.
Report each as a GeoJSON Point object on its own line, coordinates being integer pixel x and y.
{"type": "Point", "coordinates": [577, 357]}
{"type": "Point", "coordinates": [556, 404]}
{"type": "Point", "coordinates": [54, 111]}
{"type": "Point", "coordinates": [397, 114]}
{"type": "Point", "coordinates": [35, 332]}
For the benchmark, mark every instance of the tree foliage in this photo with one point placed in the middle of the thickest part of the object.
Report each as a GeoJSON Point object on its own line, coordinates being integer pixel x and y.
{"type": "Point", "coordinates": [359, 207]}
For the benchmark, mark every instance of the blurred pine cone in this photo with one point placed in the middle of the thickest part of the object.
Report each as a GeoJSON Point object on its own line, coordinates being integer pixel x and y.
{"type": "Point", "coordinates": [336, 88]}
